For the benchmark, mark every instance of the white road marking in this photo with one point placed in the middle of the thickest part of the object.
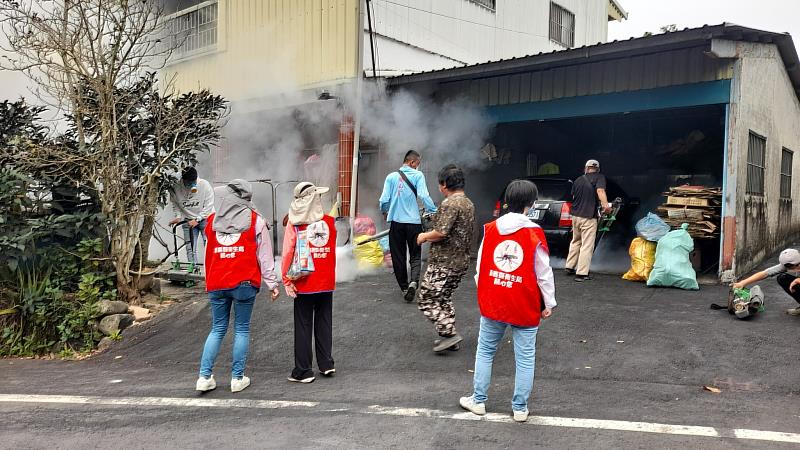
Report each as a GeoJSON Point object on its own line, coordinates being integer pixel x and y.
{"type": "Point", "coordinates": [156, 401]}
{"type": "Point", "coordinates": [773, 436]}
{"type": "Point", "coordinates": [544, 421]}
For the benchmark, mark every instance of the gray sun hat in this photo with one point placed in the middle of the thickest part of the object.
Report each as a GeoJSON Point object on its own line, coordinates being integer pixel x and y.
{"type": "Point", "coordinates": [235, 208]}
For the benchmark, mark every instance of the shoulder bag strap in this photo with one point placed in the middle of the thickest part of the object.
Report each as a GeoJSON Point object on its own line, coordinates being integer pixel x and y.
{"type": "Point", "coordinates": [408, 182]}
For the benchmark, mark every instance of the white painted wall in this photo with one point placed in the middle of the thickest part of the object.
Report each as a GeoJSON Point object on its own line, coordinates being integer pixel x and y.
{"type": "Point", "coordinates": [397, 58]}
{"type": "Point", "coordinates": [463, 31]}
{"type": "Point", "coordinates": [13, 85]}
{"type": "Point", "coordinates": [764, 101]}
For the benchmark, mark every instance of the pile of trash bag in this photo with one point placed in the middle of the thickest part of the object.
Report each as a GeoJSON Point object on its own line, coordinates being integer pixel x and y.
{"type": "Point", "coordinates": [364, 226]}
{"type": "Point", "coordinates": [672, 267]}
{"type": "Point", "coordinates": [643, 256]}
{"type": "Point", "coordinates": [651, 228]}
{"type": "Point", "coordinates": [370, 255]}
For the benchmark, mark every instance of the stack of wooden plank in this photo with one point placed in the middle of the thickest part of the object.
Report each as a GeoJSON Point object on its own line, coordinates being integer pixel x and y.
{"type": "Point", "coordinates": [699, 206]}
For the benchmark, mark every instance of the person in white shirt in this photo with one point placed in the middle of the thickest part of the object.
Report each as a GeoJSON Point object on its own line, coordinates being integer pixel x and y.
{"type": "Point", "coordinates": [192, 202]}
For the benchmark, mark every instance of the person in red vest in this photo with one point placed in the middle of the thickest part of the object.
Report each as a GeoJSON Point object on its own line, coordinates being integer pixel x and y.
{"type": "Point", "coordinates": [238, 258]}
{"type": "Point", "coordinates": [312, 293]}
{"type": "Point", "coordinates": [516, 290]}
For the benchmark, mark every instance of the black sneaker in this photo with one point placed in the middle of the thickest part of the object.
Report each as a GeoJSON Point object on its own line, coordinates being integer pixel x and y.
{"type": "Point", "coordinates": [454, 348]}
{"type": "Point", "coordinates": [447, 342]}
{"type": "Point", "coordinates": [569, 271]}
{"type": "Point", "coordinates": [580, 278]}
{"type": "Point", "coordinates": [328, 373]}
{"type": "Point", "coordinates": [411, 292]}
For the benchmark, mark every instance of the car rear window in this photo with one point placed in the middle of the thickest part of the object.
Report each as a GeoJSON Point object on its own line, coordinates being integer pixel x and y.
{"type": "Point", "coordinates": [554, 190]}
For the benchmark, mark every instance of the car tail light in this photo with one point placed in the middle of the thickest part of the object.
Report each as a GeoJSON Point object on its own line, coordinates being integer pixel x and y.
{"type": "Point", "coordinates": [496, 212]}
{"type": "Point", "coordinates": [566, 218]}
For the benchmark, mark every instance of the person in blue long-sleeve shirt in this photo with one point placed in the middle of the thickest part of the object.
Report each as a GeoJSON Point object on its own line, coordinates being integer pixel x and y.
{"type": "Point", "coordinates": [399, 203]}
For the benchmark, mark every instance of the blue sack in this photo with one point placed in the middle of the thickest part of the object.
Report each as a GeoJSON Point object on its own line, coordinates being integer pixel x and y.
{"type": "Point", "coordinates": [651, 228]}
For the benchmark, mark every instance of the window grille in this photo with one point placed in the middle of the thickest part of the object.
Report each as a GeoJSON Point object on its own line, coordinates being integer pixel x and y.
{"type": "Point", "coordinates": [756, 163]}
{"type": "Point", "coordinates": [488, 4]}
{"type": "Point", "coordinates": [562, 25]}
{"type": "Point", "coordinates": [786, 173]}
{"type": "Point", "coordinates": [194, 30]}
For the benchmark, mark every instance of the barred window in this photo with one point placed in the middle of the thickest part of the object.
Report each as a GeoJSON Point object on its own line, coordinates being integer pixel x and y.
{"type": "Point", "coordinates": [562, 25]}
{"type": "Point", "coordinates": [489, 4]}
{"type": "Point", "coordinates": [786, 173]}
{"type": "Point", "coordinates": [756, 163]}
{"type": "Point", "coordinates": [194, 29]}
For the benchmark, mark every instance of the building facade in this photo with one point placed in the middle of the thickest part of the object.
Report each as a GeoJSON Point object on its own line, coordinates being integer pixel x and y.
{"type": "Point", "coordinates": [416, 35]}
{"type": "Point", "coordinates": [249, 49]}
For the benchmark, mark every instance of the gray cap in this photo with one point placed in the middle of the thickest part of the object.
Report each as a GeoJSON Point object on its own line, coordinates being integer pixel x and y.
{"type": "Point", "coordinates": [789, 256]}
{"type": "Point", "coordinates": [592, 163]}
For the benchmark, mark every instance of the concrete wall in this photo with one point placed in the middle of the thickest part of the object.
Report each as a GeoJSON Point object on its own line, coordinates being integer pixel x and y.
{"type": "Point", "coordinates": [466, 32]}
{"type": "Point", "coordinates": [762, 101]}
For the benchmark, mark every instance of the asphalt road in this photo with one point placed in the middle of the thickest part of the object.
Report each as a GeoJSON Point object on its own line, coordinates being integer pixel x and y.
{"type": "Point", "coordinates": [616, 354]}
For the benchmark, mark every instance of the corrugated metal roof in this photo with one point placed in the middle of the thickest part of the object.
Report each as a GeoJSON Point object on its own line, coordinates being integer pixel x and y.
{"type": "Point", "coordinates": [601, 51]}
{"type": "Point", "coordinates": [618, 11]}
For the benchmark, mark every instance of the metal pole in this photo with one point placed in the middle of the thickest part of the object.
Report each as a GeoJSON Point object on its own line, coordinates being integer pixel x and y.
{"type": "Point", "coordinates": [371, 43]}
{"type": "Point", "coordinates": [275, 214]}
{"type": "Point", "coordinates": [357, 122]}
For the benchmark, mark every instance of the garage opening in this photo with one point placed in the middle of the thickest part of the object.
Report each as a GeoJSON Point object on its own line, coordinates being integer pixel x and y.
{"type": "Point", "coordinates": [642, 154]}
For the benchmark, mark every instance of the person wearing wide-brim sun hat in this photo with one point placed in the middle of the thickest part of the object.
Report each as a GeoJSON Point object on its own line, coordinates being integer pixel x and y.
{"type": "Point", "coordinates": [312, 292]}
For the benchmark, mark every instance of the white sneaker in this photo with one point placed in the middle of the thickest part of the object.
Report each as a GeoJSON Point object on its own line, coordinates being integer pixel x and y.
{"type": "Point", "coordinates": [205, 384]}
{"type": "Point", "coordinates": [520, 416]}
{"type": "Point", "coordinates": [472, 406]}
{"type": "Point", "coordinates": [238, 384]}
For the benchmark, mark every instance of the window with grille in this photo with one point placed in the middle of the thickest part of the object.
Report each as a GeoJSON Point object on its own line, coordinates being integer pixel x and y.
{"type": "Point", "coordinates": [194, 29]}
{"type": "Point", "coordinates": [562, 25]}
{"type": "Point", "coordinates": [786, 173]}
{"type": "Point", "coordinates": [489, 4]}
{"type": "Point", "coordinates": [756, 162]}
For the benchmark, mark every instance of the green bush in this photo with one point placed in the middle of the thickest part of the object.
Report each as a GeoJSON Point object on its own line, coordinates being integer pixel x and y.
{"type": "Point", "coordinates": [46, 318]}
{"type": "Point", "coordinates": [52, 271]}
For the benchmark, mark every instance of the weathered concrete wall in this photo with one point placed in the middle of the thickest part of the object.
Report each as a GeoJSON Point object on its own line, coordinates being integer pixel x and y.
{"type": "Point", "coordinates": [764, 102]}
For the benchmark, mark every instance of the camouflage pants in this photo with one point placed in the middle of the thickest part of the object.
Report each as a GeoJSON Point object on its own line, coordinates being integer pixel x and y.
{"type": "Point", "coordinates": [435, 294]}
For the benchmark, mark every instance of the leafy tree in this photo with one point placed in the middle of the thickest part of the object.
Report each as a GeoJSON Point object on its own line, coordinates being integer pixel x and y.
{"type": "Point", "coordinates": [94, 59]}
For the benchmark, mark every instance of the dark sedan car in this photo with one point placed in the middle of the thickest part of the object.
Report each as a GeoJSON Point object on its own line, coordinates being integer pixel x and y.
{"type": "Point", "coordinates": [553, 210]}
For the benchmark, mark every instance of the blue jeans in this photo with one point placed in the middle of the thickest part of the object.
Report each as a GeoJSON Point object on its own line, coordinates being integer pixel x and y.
{"type": "Point", "coordinates": [242, 298]}
{"type": "Point", "coordinates": [190, 235]}
{"type": "Point", "coordinates": [490, 335]}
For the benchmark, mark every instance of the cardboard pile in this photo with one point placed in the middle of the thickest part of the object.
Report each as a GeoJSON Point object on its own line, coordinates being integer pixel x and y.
{"type": "Point", "coordinates": [699, 206]}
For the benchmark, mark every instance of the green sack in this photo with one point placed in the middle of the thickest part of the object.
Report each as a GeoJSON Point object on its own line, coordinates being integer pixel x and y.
{"type": "Point", "coordinates": [672, 267]}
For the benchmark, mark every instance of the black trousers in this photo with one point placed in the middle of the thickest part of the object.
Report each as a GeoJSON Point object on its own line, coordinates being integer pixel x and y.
{"type": "Point", "coordinates": [313, 313]}
{"type": "Point", "coordinates": [784, 280]}
{"type": "Point", "coordinates": [402, 244]}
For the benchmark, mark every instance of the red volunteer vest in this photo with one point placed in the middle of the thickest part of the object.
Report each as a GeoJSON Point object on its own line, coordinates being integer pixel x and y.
{"type": "Point", "coordinates": [322, 243]}
{"type": "Point", "coordinates": [231, 258]}
{"type": "Point", "coordinates": [507, 287]}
